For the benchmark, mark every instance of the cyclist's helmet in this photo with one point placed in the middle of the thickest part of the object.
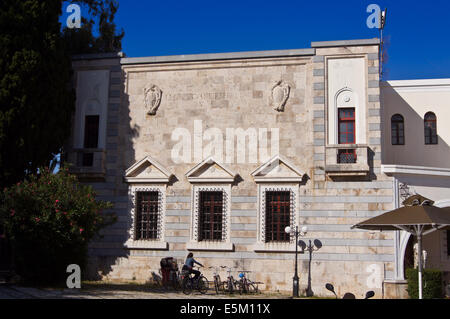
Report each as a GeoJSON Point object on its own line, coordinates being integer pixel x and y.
{"type": "Point", "coordinates": [241, 275]}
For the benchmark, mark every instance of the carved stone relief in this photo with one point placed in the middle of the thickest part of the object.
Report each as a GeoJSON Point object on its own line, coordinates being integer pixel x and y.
{"type": "Point", "coordinates": [280, 95]}
{"type": "Point", "coordinates": [152, 98]}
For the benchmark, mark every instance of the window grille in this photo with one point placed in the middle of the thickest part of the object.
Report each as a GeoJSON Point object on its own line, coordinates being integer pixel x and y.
{"type": "Point", "coordinates": [277, 216]}
{"type": "Point", "coordinates": [147, 215]}
{"type": "Point", "coordinates": [211, 216]}
{"type": "Point", "coordinates": [346, 156]}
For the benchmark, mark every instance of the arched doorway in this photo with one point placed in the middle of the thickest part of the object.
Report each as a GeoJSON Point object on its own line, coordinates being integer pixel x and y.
{"type": "Point", "coordinates": [406, 246]}
{"type": "Point", "coordinates": [408, 258]}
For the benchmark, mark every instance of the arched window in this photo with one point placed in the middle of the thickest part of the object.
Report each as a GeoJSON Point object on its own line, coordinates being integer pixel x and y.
{"type": "Point", "coordinates": [430, 128]}
{"type": "Point", "coordinates": [397, 130]}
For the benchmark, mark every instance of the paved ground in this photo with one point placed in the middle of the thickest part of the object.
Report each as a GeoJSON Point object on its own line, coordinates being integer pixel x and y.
{"type": "Point", "coordinates": [113, 292]}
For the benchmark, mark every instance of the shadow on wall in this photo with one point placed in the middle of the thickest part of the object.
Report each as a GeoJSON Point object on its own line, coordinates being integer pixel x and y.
{"type": "Point", "coordinates": [108, 250]}
{"type": "Point", "coordinates": [414, 152]}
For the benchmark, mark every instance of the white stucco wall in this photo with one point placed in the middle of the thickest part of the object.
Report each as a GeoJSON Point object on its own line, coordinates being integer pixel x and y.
{"type": "Point", "coordinates": [413, 99]}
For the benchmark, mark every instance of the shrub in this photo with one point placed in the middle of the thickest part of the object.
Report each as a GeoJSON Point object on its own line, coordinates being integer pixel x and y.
{"type": "Point", "coordinates": [49, 219]}
{"type": "Point", "coordinates": [432, 285]}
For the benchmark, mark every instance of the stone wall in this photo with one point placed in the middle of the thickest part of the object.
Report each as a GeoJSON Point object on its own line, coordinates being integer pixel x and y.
{"type": "Point", "coordinates": [237, 93]}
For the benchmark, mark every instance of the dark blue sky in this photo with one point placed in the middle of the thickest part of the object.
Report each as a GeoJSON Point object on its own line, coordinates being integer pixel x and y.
{"type": "Point", "coordinates": [417, 32]}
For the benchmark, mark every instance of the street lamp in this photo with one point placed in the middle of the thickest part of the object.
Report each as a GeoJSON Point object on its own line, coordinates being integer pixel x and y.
{"type": "Point", "coordinates": [296, 233]}
{"type": "Point", "coordinates": [310, 248]}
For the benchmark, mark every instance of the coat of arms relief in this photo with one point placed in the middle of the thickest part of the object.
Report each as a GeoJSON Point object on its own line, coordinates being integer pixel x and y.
{"type": "Point", "coordinates": [152, 98]}
{"type": "Point", "coordinates": [280, 95]}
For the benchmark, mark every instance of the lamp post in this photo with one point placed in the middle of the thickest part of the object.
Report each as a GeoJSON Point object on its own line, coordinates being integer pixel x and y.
{"type": "Point", "coordinates": [310, 248]}
{"type": "Point", "coordinates": [296, 233]}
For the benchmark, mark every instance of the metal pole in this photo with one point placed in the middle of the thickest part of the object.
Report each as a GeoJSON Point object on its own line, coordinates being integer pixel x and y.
{"type": "Point", "coordinates": [309, 292]}
{"type": "Point", "coordinates": [295, 279]}
{"type": "Point", "coordinates": [419, 255]}
{"type": "Point", "coordinates": [381, 54]}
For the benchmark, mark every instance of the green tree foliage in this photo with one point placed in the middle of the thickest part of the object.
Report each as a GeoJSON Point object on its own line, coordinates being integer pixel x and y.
{"type": "Point", "coordinates": [431, 280]}
{"type": "Point", "coordinates": [101, 20]}
{"type": "Point", "coordinates": [36, 96]}
{"type": "Point", "coordinates": [49, 219]}
{"type": "Point", "coordinates": [36, 101]}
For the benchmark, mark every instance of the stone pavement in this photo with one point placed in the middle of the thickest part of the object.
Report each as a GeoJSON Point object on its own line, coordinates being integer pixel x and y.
{"type": "Point", "coordinates": [114, 292]}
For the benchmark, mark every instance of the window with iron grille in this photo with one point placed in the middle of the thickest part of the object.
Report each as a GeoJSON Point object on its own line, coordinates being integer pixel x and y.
{"type": "Point", "coordinates": [278, 216]}
{"type": "Point", "coordinates": [91, 125]}
{"type": "Point", "coordinates": [346, 156]}
{"type": "Point", "coordinates": [210, 216]}
{"type": "Point", "coordinates": [430, 127]}
{"type": "Point", "coordinates": [397, 130]}
{"type": "Point", "coordinates": [147, 215]}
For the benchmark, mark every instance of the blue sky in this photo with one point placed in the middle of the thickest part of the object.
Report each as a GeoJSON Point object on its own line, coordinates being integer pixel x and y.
{"type": "Point", "coordinates": [417, 33]}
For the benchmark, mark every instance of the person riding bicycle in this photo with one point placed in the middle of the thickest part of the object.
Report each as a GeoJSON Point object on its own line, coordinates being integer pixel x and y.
{"type": "Point", "coordinates": [189, 264]}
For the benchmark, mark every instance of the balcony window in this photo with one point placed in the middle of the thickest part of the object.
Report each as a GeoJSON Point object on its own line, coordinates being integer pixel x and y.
{"type": "Point", "coordinates": [91, 127]}
{"type": "Point", "coordinates": [347, 126]}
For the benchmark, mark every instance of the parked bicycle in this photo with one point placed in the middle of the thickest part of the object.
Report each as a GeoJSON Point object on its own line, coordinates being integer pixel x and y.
{"type": "Point", "coordinates": [190, 283]}
{"type": "Point", "coordinates": [218, 284]}
{"type": "Point", "coordinates": [246, 285]}
{"type": "Point", "coordinates": [230, 284]}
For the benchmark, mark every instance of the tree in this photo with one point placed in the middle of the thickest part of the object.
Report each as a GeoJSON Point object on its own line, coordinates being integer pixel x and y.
{"type": "Point", "coordinates": [36, 95]}
{"type": "Point", "coordinates": [49, 219]}
{"type": "Point", "coordinates": [36, 102]}
{"type": "Point", "coordinates": [101, 16]}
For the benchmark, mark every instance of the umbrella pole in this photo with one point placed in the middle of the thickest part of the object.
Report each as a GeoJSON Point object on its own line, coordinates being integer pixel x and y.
{"type": "Point", "coordinates": [419, 256]}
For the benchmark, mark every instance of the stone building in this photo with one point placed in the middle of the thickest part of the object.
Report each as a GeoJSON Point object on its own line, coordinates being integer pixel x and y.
{"type": "Point", "coordinates": [218, 153]}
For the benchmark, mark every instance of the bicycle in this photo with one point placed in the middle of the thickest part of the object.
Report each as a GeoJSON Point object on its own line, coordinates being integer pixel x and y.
{"type": "Point", "coordinates": [189, 283]}
{"type": "Point", "coordinates": [230, 283]}
{"type": "Point", "coordinates": [245, 284]}
{"type": "Point", "coordinates": [218, 284]}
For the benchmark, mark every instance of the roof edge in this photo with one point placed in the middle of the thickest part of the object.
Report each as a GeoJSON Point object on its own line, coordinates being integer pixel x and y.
{"type": "Point", "coordinates": [218, 56]}
{"type": "Point", "coordinates": [345, 43]}
{"type": "Point", "coordinates": [98, 56]}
